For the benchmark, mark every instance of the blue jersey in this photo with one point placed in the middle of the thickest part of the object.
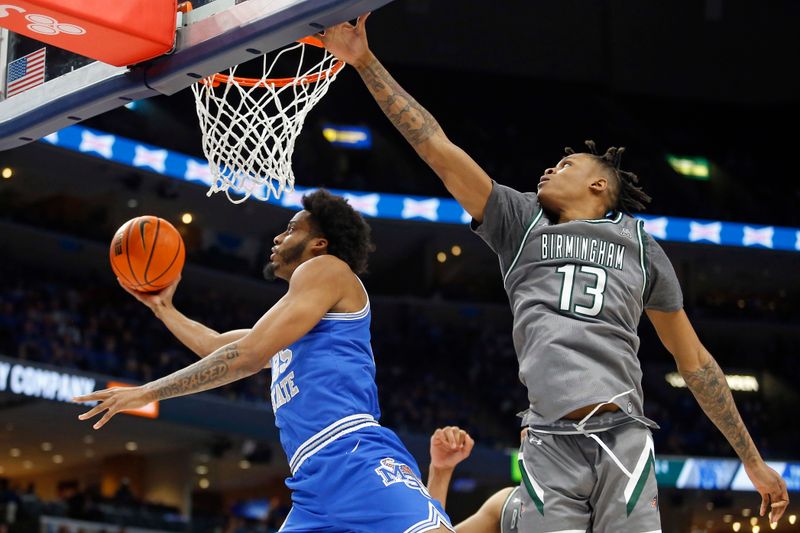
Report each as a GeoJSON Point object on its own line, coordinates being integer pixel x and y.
{"type": "Point", "coordinates": [323, 385]}
{"type": "Point", "coordinates": [358, 477]}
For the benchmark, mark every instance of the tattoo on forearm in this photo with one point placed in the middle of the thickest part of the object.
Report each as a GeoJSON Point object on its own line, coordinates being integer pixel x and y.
{"type": "Point", "coordinates": [412, 120]}
{"type": "Point", "coordinates": [709, 386]}
{"type": "Point", "coordinates": [216, 370]}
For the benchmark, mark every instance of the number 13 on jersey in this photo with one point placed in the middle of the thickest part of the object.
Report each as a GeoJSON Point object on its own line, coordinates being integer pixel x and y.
{"type": "Point", "coordinates": [594, 288]}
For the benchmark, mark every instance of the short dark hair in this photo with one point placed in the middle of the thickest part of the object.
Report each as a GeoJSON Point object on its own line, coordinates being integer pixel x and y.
{"type": "Point", "coordinates": [347, 232]}
{"type": "Point", "coordinates": [628, 196]}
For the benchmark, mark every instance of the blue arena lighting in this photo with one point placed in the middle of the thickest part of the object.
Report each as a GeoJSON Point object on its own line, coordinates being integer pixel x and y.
{"type": "Point", "coordinates": [398, 207]}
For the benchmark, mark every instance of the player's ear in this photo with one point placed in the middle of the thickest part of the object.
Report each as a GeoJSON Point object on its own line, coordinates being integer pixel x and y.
{"type": "Point", "coordinates": [319, 245]}
{"type": "Point", "coordinates": [599, 184]}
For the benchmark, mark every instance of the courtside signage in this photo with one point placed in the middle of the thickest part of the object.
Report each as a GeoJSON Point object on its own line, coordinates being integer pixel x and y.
{"type": "Point", "coordinates": [34, 382]}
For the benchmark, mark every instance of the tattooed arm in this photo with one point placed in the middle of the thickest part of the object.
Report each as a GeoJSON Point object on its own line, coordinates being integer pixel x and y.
{"type": "Point", "coordinates": [707, 382]}
{"type": "Point", "coordinates": [462, 176]}
{"type": "Point", "coordinates": [315, 287]}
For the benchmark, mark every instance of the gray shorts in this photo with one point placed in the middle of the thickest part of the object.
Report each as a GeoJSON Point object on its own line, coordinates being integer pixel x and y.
{"type": "Point", "coordinates": [571, 483]}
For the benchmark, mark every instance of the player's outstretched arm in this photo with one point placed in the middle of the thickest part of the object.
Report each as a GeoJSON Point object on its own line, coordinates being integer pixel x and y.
{"type": "Point", "coordinates": [462, 176]}
{"type": "Point", "coordinates": [708, 384]}
{"type": "Point", "coordinates": [315, 288]}
{"type": "Point", "coordinates": [449, 446]}
{"type": "Point", "coordinates": [198, 337]}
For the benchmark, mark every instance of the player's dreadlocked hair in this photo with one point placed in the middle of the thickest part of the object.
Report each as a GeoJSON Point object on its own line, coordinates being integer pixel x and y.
{"type": "Point", "coordinates": [347, 232]}
{"type": "Point", "coordinates": [629, 197]}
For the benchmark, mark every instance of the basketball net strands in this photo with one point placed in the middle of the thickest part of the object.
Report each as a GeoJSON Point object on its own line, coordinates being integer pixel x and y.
{"type": "Point", "coordinates": [249, 125]}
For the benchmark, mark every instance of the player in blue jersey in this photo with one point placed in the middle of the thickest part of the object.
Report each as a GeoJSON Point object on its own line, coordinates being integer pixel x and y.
{"type": "Point", "coordinates": [349, 474]}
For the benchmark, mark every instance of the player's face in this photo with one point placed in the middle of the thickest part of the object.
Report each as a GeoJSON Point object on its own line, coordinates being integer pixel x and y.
{"type": "Point", "coordinates": [289, 248]}
{"type": "Point", "coordinates": [567, 182]}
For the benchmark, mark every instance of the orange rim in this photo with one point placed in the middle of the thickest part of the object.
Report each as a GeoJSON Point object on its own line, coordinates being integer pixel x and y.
{"type": "Point", "coordinates": [218, 79]}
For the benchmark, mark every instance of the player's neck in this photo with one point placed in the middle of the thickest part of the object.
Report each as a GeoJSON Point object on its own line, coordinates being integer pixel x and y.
{"type": "Point", "coordinates": [580, 212]}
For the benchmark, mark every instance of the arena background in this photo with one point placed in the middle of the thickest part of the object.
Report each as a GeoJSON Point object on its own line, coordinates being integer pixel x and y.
{"type": "Point", "coordinates": [705, 96]}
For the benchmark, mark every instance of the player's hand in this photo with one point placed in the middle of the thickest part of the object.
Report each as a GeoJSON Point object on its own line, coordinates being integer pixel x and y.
{"type": "Point", "coordinates": [450, 446]}
{"type": "Point", "coordinates": [772, 488]}
{"type": "Point", "coordinates": [112, 401]}
{"type": "Point", "coordinates": [155, 300]}
{"type": "Point", "coordinates": [348, 42]}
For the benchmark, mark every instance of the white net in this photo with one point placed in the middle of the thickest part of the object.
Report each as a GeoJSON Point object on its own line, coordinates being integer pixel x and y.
{"type": "Point", "coordinates": [250, 126]}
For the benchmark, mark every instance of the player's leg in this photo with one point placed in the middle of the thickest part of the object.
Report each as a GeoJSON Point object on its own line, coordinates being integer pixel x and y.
{"type": "Point", "coordinates": [626, 500]}
{"type": "Point", "coordinates": [300, 520]}
{"type": "Point", "coordinates": [309, 512]}
{"type": "Point", "coordinates": [557, 480]}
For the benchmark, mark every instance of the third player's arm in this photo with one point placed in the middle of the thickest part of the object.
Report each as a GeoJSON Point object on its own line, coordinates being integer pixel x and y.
{"type": "Point", "coordinates": [461, 175]}
{"type": "Point", "coordinates": [709, 386]}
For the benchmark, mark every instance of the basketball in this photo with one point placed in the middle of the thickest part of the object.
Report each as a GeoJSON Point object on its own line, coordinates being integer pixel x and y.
{"type": "Point", "coordinates": [147, 253]}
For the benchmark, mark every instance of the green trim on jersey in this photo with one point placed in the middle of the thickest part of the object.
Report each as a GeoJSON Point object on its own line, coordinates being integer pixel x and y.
{"type": "Point", "coordinates": [642, 256]}
{"type": "Point", "coordinates": [640, 483]}
{"type": "Point", "coordinates": [638, 478]}
{"type": "Point", "coordinates": [534, 490]}
{"type": "Point", "coordinates": [522, 244]}
{"type": "Point", "coordinates": [615, 220]}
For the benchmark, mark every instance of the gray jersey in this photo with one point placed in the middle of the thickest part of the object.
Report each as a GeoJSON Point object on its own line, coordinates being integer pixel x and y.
{"type": "Point", "coordinates": [577, 291]}
{"type": "Point", "coordinates": [511, 512]}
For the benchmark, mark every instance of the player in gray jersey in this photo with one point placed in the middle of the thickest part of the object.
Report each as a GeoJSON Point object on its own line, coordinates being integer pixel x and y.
{"type": "Point", "coordinates": [579, 272]}
{"type": "Point", "coordinates": [501, 513]}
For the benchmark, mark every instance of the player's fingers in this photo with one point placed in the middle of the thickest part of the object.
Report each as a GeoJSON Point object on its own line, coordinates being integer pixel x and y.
{"type": "Point", "coordinates": [336, 29]}
{"type": "Point", "coordinates": [451, 437]}
{"type": "Point", "coordinates": [437, 436]}
{"type": "Point", "coordinates": [362, 20]}
{"type": "Point", "coordinates": [779, 503]}
{"type": "Point", "coordinates": [94, 411]}
{"type": "Point", "coordinates": [764, 504]}
{"type": "Point", "coordinates": [95, 396]}
{"type": "Point", "coordinates": [469, 443]}
{"type": "Point", "coordinates": [777, 510]}
{"type": "Point", "coordinates": [106, 417]}
{"type": "Point", "coordinates": [461, 438]}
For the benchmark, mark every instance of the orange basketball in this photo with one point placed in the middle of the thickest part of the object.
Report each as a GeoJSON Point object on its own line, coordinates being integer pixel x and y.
{"type": "Point", "coordinates": [147, 253]}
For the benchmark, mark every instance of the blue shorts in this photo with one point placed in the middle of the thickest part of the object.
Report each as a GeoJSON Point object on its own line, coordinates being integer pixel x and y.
{"type": "Point", "coordinates": [365, 481]}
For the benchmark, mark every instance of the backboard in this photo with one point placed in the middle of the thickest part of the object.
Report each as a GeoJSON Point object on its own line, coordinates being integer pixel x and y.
{"type": "Point", "coordinates": [215, 35]}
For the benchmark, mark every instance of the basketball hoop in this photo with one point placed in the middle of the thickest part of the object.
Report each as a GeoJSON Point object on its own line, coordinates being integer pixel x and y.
{"type": "Point", "coordinates": [250, 125]}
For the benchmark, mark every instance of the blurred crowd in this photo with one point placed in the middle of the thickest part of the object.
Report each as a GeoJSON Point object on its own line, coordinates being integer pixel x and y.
{"type": "Point", "coordinates": [21, 509]}
{"type": "Point", "coordinates": [430, 372]}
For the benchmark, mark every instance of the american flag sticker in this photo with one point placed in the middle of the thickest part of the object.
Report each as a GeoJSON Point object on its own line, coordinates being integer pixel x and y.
{"type": "Point", "coordinates": [26, 72]}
